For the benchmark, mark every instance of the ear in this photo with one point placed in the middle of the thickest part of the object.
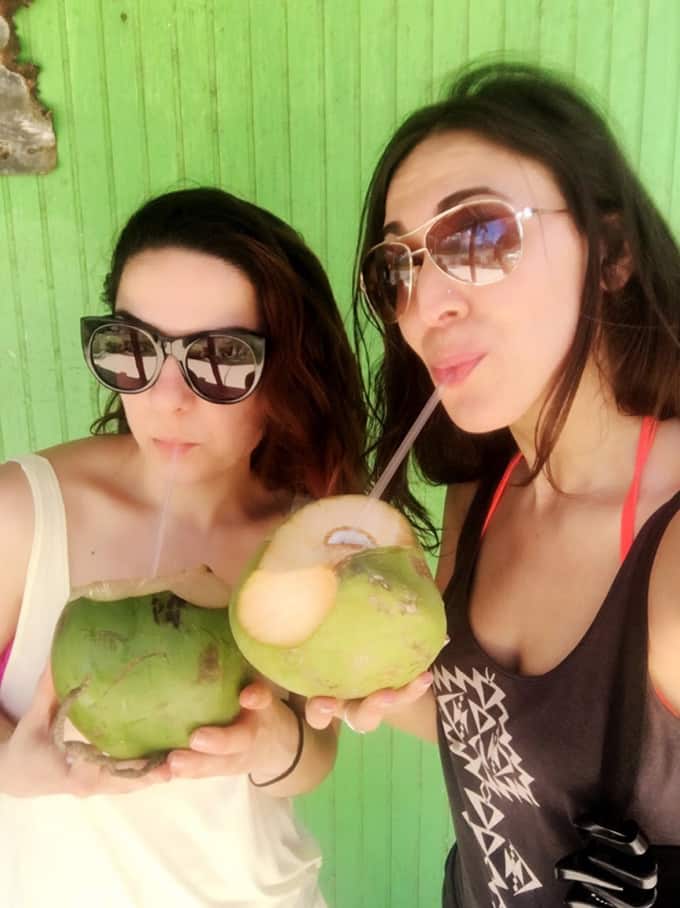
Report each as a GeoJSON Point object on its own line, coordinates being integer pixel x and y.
{"type": "Point", "coordinates": [616, 260]}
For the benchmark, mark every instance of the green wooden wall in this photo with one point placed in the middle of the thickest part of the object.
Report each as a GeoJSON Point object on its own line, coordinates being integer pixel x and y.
{"type": "Point", "coordinates": [286, 102]}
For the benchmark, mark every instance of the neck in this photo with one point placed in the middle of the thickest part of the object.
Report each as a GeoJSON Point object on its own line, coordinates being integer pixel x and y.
{"type": "Point", "coordinates": [595, 451]}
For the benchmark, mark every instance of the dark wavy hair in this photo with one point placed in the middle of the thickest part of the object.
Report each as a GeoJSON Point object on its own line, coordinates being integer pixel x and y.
{"type": "Point", "coordinates": [633, 328]}
{"type": "Point", "coordinates": [315, 417]}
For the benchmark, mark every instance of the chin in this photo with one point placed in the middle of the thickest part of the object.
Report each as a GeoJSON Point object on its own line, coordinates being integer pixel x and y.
{"type": "Point", "coordinates": [477, 417]}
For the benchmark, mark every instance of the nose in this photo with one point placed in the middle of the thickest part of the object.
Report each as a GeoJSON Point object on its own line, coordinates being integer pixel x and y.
{"type": "Point", "coordinates": [170, 390]}
{"type": "Point", "coordinates": [436, 298]}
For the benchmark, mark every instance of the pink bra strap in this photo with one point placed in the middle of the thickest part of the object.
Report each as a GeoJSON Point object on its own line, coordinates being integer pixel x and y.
{"type": "Point", "coordinates": [645, 442]}
{"type": "Point", "coordinates": [505, 478]}
{"type": "Point", "coordinates": [4, 659]}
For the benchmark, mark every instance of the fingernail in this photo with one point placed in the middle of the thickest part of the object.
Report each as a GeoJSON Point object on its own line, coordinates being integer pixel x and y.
{"type": "Point", "coordinates": [427, 680]}
{"type": "Point", "coordinates": [326, 709]}
{"type": "Point", "coordinates": [199, 741]}
{"type": "Point", "coordinates": [388, 699]}
{"type": "Point", "coordinates": [176, 764]}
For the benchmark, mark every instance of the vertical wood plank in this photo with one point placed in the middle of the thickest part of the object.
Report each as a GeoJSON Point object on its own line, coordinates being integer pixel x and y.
{"type": "Point", "coordinates": [269, 55]}
{"type": "Point", "coordinates": [196, 108]}
{"type": "Point", "coordinates": [626, 81]}
{"type": "Point", "coordinates": [235, 136]}
{"type": "Point", "coordinates": [487, 27]}
{"type": "Point", "coordinates": [307, 126]}
{"type": "Point", "coordinates": [660, 114]}
{"type": "Point", "coordinates": [557, 34]}
{"type": "Point", "coordinates": [522, 29]}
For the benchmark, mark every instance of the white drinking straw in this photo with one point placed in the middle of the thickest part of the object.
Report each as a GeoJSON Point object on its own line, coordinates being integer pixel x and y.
{"type": "Point", "coordinates": [405, 446]}
{"type": "Point", "coordinates": [162, 520]}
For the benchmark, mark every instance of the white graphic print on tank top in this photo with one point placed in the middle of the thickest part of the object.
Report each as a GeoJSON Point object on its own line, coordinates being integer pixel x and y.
{"type": "Point", "coordinates": [474, 721]}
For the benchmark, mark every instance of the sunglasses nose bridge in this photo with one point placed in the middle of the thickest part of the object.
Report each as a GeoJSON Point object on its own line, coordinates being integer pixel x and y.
{"type": "Point", "coordinates": [171, 348]}
{"type": "Point", "coordinates": [174, 347]}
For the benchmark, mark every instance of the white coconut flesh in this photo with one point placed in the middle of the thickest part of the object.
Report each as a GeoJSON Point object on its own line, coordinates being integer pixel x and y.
{"type": "Point", "coordinates": [198, 585]}
{"type": "Point", "coordinates": [293, 588]}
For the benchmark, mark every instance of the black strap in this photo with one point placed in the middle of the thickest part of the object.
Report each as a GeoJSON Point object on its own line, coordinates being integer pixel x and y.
{"type": "Point", "coordinates": [469, 541]}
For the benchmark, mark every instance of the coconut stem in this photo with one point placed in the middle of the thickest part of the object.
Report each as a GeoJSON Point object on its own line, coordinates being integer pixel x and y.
{"type": "Point", "coordinates": [75, 751]}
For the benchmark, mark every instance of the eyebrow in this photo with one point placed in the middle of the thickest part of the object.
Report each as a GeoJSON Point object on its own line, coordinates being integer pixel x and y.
{"type": "Point", "coordinates": [448, 201]}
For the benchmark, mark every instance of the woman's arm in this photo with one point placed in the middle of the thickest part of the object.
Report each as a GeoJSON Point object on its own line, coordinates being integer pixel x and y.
{"type": "Point", "coordinates": [317, 756]}
{"type": "Point", "coordinates": [16, 532]}
{"type": "Point", "coordinates": [30, 764]}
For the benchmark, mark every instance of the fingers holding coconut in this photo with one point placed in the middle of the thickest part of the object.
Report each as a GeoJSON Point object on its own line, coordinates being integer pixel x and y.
{"type": "Point", "coordinates": [85, 779]}
{"type": "Point", "coordinates": [136, 675]}
{"type": "Point", "coordinates": [259, 741]}
{"type": "Point", "coordinates": [32, 765]}
{"type": "Point", "coordinates": [363, 715]}
{"type": "Point", "coordinates": [367, 714]}
{"type": "Point", "coordinates": [256, 696]}
{"type": "Point", "coordinates": [45, 703]}
{"type": "Point", "coordinates": [320, 711]}
{"type": "Point", "coordinates": [224, 741]}
{"type": "Point", "coordinates": [216, 750]}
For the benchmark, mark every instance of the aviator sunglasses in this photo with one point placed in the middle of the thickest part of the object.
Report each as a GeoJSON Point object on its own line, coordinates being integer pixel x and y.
{"type": "Point", "coordinates": [476, 242]}
{"type": "Point", "coordinates": [127, 355]}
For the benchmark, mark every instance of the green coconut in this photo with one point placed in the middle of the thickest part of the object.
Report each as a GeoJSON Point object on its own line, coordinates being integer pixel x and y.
{"type": "Point", "coordinates": [139, 673]}
{"type": "Point", "coordinates": [339, 602]}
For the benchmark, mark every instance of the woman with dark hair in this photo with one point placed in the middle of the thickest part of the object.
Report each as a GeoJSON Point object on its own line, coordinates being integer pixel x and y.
{"type": "Point", "coordinates": [511, 258]}
{"type": "Point", "coordinates": [234, 382]}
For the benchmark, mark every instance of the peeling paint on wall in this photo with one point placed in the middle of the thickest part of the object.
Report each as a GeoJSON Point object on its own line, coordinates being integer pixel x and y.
{"type": "Point", "coordinates": [27, 141]}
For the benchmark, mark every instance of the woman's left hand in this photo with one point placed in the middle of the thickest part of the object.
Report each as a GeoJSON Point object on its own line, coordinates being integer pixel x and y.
{"type": "Point", "coordinates": [262, 740]}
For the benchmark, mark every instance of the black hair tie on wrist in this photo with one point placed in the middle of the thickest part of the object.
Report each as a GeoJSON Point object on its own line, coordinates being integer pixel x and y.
{"type": "Point", "coordinates": [296, 758]}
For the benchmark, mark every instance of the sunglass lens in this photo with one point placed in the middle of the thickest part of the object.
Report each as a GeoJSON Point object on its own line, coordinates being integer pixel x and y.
{"type": "Point", "coordinates": [386, 274]}
{"type": "Point", "coordinates": [221, 368]}
{"type": "Point", "coordinates": [123, 357]}
{"type": "Point", "coordinates": [478, 244]}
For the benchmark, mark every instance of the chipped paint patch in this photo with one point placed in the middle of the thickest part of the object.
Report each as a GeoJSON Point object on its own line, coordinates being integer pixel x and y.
{"type": "Point", "coordinates": [27, 140]}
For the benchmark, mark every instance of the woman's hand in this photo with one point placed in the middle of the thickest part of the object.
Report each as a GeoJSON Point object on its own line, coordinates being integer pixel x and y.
{"type": "Point", "coordinates": [31, 765]}
{"type": "Point", "coordinates": [405, 708]}
{"type": "Point", "coordinates": [262, 741]}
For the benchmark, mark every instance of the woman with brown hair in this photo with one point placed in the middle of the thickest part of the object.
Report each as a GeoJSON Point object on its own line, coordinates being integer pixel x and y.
{"type": "Point", "coordinates": [234, 381]}
{"type": "Point", "coordinates": [511, 258]}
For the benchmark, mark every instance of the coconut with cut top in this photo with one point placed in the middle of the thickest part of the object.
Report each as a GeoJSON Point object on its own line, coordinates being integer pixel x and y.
{"type": "Point", "coordinates": [138, 665]}
{"type": "Point", "coordinates": [340, 601]}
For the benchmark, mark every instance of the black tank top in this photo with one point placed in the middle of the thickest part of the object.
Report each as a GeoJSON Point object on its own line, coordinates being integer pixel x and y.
{"type": "Point", "coordinates": [524, 756]}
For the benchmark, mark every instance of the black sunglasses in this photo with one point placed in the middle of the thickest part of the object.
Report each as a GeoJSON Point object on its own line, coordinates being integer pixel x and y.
{"type": "Point", "coordinates": [127, 355]}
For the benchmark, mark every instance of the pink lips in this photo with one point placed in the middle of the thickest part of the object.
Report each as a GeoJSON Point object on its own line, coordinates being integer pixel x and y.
{"type": "Point", "coordinates": [170, 447]}
{"type": "Point", "coordinates": [456, 369]}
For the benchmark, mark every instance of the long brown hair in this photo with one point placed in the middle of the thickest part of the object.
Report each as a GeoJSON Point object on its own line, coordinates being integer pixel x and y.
{"type": "Point", "coordinates": [633, 329]}
{"type": "Point", "coordinates": [315, 416]}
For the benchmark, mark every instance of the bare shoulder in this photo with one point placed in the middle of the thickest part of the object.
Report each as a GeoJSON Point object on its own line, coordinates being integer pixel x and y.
{"type": "Point", "coordinates": [456, 505]}
{"type": "Point", "coordinates": [664, 614]}
{"type": "Point", "coordinates": [87, 460]}
{"type": "Point", "coordinates": [16, 513]}
{"type": "Point", "coordinates": [16, 532]}
{"type": "Point", "coordinates": [664, 588]}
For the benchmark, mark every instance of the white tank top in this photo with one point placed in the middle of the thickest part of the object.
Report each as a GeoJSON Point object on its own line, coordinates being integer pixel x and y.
{"type": "Point", "coordinates": [184, 844]}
